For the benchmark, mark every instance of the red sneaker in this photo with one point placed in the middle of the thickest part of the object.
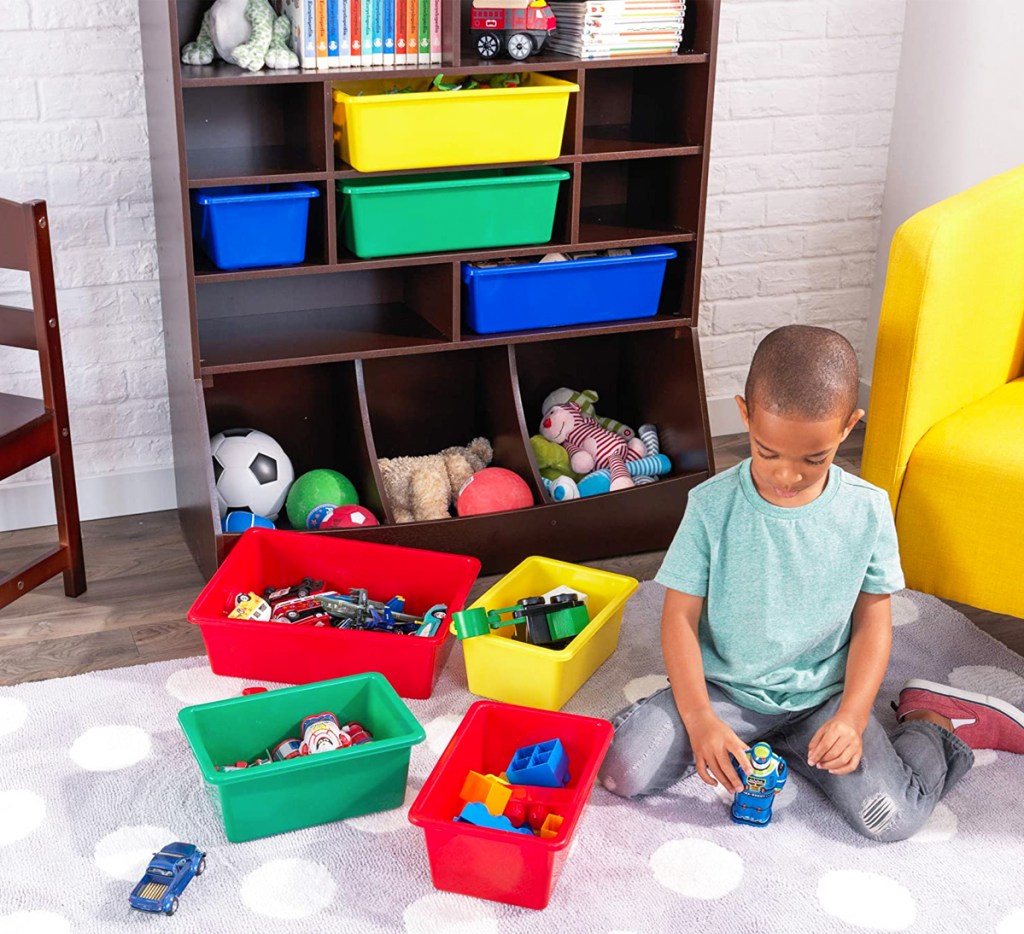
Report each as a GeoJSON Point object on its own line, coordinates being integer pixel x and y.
{"type": "Point", "coordinates": [981, 721]}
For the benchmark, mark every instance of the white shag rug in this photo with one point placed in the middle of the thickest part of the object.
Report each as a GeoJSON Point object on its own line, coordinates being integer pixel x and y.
{"type": "Point", "coordinates": [96, 775]}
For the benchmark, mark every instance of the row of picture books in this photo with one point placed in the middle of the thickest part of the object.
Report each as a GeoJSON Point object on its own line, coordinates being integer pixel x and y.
{"type": "Point", "coordinates": [358, 33]}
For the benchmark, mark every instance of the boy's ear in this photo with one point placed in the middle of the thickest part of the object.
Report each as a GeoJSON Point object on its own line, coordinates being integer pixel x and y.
{"type": "Point", "coordinates": [857, 415]}
{"type": "Point", "coordinates": [741, 404]}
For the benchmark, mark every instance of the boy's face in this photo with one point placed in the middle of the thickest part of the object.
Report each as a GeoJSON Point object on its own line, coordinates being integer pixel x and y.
{"type": "Point", "coordinates": [790, 458]}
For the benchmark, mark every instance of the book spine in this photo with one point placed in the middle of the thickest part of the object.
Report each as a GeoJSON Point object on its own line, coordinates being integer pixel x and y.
{"type": "Point", "coordinates": [333, 38]}
{"type": "Point", "coordinates": [412, 32]}
{"type": "Point", "coordinates": [390, 13]}
{"type": "Point", "coordinates": [435, 32]}
{"type": "Point", "coordinates": [300, 12]}
{"type": "Point", "coordinates": [401, 16]}
{"type": "Point", "coordinates": [367, 31]}
{"type": "Point", "coordinates": [377, 7]}
{"type": "Point", "coordinates": [424, 32]}
{"type": "Point", "coordinates": [356, 44]}
{"type": "Point", "coordinates": [344, 34]}
{"type": "Point", "coordinates": [321, 34]}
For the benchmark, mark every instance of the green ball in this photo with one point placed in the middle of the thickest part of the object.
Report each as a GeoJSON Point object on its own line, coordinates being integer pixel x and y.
{"type": "Point", "coordinates": [318, 488]}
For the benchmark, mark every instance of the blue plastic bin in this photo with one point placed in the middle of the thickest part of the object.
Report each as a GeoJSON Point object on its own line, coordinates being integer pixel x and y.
{"type": "Point", "coordinates": [579, 291]}
{"type": "Point", "coordinates": [241, 226]}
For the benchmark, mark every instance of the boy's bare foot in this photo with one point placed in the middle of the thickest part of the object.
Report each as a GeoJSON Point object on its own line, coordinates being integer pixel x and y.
{"type": "Point", "coordinates": [981, 721]}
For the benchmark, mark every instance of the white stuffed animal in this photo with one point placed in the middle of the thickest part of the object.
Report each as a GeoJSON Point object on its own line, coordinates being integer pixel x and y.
{"type": "Point", "coordinates": [245, 32]}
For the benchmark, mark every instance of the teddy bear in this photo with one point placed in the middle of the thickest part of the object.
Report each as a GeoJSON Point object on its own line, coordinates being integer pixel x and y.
{"type": "Point", "coordinates": [591, 445]}
{"type": "Point", "coordinates": [424, 488]}
{"type": "Point", "coordinates": [586, 399]}
{"type": "Point", "coordinates": [245, 32]}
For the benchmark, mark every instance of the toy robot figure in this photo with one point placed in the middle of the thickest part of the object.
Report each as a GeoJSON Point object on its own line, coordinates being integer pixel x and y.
{"type": "Point", "coordinates": [764, 780]}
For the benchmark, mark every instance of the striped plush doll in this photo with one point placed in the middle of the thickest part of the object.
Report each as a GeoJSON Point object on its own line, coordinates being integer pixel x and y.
{"type": "Point", "coordinates": [590, 445]}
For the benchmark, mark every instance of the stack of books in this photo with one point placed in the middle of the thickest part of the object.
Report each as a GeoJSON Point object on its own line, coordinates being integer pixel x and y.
{"type": "Point", "coordinates": [591, 29]}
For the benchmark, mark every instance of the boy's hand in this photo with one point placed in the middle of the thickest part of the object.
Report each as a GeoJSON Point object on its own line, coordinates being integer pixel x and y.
{"type": "Point", "coordinates": [713, 742]}
{"type": "Point", "coordinates": [837, 746]}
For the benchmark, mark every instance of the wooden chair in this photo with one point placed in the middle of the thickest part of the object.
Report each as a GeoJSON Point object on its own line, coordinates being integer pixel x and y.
{"type": "Point", "coordinates": [31, 429]}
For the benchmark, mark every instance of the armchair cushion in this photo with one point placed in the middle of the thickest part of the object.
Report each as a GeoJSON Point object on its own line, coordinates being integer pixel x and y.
{"type": "Point", "coordinates": [961, 509]}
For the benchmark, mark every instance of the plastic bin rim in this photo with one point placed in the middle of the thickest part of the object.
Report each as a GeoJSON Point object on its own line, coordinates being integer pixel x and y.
{"type": "Point", "coordinates": [250, 538]}
{"type": "Point", "coordinates": [550, 86]}
{"type": "Point", "coordinates": [217, 195]}
{"type": "Point", "coordinates": [415, 735]}
{"type": "Point", "coordinates": [530, 175]}
{"type": "Point", "coordinates": [426, 821]}
{"type": "Point", "coordinates": [640, 254]}
{"type": "Point", "coordinates": [579, 641]}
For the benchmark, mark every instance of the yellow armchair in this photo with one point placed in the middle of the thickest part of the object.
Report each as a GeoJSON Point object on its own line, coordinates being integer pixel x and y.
{"type": "Point", "coordinates": [945, 430]}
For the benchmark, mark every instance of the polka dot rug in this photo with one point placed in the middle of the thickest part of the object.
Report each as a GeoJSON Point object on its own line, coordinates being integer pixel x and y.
{"type": "Point", "coordinates": [96, 775]}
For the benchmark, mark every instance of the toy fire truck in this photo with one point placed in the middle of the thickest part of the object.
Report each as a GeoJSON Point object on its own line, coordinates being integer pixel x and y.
{"type": "Point", "coordinates": [521, 26]}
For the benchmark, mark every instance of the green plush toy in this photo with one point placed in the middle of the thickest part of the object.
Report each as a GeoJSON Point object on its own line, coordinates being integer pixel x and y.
{"type": "Point", "coordinates": [585, 399]}
{"type": "Point", "coordinates": [552, 459]}
{"type": "Point", "coordinates": [245, 32]}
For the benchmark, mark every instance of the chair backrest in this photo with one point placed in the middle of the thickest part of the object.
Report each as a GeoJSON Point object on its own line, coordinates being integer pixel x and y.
{"type": "Point", "coordinates": [952, 323]}
{"type": "Point", "coordinates": [25, 245]}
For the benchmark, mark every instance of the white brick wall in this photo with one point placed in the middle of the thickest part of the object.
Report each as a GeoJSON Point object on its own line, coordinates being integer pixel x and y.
{"type": "Point", "coordinates": [803, 108]}
{"type": "Point", "coordinates": [73, 131]}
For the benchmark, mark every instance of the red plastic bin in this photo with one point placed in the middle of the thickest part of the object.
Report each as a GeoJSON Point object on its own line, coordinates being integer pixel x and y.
{"type": "Point", "coordinates": [280, 652]}
{"type": "Point", "coordinates": [494, 864]}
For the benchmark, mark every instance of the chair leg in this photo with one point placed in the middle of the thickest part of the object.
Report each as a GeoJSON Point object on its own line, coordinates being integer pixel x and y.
{"type": "Point", "coordinates": [69, 526]}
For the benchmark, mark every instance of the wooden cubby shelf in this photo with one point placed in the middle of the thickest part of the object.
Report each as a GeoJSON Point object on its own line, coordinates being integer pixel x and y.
{"type": "Point", "coordinates": [346, 360]}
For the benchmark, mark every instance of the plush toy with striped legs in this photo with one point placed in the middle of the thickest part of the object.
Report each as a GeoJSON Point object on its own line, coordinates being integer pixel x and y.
{"type": "Point", "coordinates": [590, 445]}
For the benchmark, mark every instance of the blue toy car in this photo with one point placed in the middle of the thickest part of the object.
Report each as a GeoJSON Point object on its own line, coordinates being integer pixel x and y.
{"type": "Point", "coordinates": [168, 873]}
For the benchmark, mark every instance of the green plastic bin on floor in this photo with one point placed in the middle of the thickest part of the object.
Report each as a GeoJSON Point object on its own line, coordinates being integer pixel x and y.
{"type": "Point", "coordinates": [396, 215]}
{"type": "Point", "coordinates": [282, 796]}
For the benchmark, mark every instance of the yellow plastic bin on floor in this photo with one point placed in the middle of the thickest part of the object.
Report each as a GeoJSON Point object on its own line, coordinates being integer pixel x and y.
{"type": "Point", "coordinates": [377, 130]}
{"type": "Point", "coordinates": [501, 667]}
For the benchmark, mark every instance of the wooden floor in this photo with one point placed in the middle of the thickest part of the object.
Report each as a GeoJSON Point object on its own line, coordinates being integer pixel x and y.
{"type": "Point", "coordinates": [142, 582]}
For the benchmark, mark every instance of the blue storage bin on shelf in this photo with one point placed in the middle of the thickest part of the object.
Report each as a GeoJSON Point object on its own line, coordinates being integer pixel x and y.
{"type": "Point", "coordinates": [559, 294]}
{"type": "Point", "coordinates": [242, 226]}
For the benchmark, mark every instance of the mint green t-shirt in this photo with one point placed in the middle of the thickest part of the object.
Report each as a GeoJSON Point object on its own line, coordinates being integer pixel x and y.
{"type": "Point", "coordinates": [780, 583]}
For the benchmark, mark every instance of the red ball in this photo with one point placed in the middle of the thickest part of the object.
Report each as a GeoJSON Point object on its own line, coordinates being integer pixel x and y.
{"type": "Point", "coordinates": [493, 489]}
{"type": "Point", "coordinates": [349, 517]}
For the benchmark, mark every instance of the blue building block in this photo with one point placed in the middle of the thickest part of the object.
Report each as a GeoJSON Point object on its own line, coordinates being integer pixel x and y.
{"type": "Point", "coordinates": [544, 764]}
{"type": "Point", "coordinates": [476, 813]}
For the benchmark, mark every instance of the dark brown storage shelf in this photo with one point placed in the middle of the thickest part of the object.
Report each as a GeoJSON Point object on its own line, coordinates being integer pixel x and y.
{"type": "Point", "coordinates": [319, 335]}
{"type": "Point", "coordinates": [657, 323]}
{"type": "Point", "coordinates": [616, 146]}
{"type": "Point", "coordinates": [265, 324]}
{"type": "Point", "coordinates": [344, 360]}
{"type": "Point", "coordinates": [643, 519]}
{"type": "Point", "coordinates": [221, 74]}
{"type": "Point", "coordinates": [343, 170]}
{"type": "Point", "coordinates": [258, 166]}
{"type": "Point", "coordinates": [313, 412]}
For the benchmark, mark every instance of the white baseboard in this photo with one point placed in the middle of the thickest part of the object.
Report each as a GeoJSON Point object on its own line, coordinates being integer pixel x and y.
{"type": "Point", "coordinates": [725, 417]}
{"type": "Point", "coordinates": [28, 505]}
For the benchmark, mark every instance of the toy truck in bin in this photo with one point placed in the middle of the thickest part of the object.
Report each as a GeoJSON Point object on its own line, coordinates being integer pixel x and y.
{"type": "Point", "coordinates": [521, 26]}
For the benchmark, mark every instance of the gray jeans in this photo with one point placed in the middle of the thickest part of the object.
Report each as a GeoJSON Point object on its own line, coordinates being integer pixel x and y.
{"type": "Point", "coordinates": [901, 777]}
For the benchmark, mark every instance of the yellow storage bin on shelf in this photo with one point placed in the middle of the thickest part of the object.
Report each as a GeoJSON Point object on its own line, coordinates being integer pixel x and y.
{"type": "Point", "coordinates": [501, 667]}
{"type": "Point", "coordinates": [376, 129]}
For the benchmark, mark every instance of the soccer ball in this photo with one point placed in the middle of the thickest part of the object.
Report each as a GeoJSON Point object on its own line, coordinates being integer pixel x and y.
{"type": "Point", "coordinates": [251, 472]}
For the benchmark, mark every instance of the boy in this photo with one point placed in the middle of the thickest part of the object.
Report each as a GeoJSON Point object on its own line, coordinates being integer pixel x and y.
{"type": "Point", "coordinates": [776, 624]}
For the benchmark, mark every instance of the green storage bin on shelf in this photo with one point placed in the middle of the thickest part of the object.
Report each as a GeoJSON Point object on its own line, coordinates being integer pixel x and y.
{"type": "Point", "coordinates": [296, 793]}
{"type": "Point", "coordinates": [396, 215]}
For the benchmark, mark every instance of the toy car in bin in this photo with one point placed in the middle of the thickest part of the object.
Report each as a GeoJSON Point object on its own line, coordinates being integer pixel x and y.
{"type": "Point", "coordinates": [169, 871]}
{"type": "Point", "coordinates": [521, 26]}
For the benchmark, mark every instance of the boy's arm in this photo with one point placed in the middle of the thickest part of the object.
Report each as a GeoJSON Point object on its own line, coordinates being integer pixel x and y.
{"type": "Point", "coordinates": [711, 739]}
{"type": "Point", "coordinates": [836, 746]}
